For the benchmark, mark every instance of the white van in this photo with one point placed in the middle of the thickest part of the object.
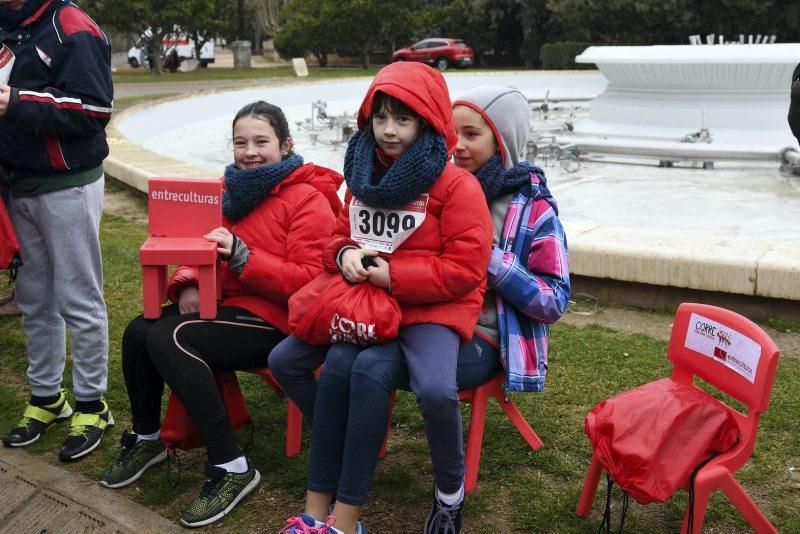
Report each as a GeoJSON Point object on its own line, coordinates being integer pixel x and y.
{"type": "Point", "coordinates": [180, 42]}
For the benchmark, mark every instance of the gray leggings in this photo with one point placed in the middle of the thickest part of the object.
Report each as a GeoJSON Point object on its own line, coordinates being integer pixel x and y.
{"type": "Point", "coordinates": [351, 409]}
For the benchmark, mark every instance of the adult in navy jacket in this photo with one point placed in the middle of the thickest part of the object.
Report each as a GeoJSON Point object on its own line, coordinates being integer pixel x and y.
{"type": "Point", "coordinates": [55, 101]}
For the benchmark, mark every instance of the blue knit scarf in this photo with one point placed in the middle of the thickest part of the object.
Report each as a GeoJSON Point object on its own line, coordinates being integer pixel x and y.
{"type": "Point", "coordinates": [496, 181]}
{"type": "Point", "coordinates": [246, 188]}
{"type": "Point", "coordinates": [413, 173]}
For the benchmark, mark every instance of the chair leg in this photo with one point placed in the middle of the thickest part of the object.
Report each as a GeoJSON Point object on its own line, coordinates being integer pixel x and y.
{"type": "Point", "coordinates": [385, 444]}
{"type": "Point", "coordinates": [218, 279]}
{"type": "Point", "coordinates": [477, 424]}
{"type": "Point", "coordinates": [294, 429]}
{"type": "Point", "coordinates": [589, 488]}
{"type": "Point", "coordinates": [742, 501]}
{"type": "Point", "coordinates": [207, 280]}
{"type": "Point", "coordinates": [704, 483]}
{"type": "Point", "coordinates": [519, 421]}
{"type": "Point", "coordinates": [154, 279]}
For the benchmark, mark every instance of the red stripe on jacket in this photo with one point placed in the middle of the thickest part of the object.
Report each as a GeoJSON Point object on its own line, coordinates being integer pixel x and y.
{"type": "Point", "coordinates": [55, 153]}
{"type": "Point", "coordinates": [73, 21]}
{"type": "Point", "coordinates": [65, 105]}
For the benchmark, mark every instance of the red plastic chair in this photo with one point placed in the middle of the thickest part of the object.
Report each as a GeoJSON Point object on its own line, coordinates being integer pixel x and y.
{"type": "Point", "coordinates": [717, 346]}
{"type": "Point", "coordinates": [180, 212]}
{"type": "Point", "coordinates": [172, 428]}
{"type": "Point", "coordinates": [479, 397]}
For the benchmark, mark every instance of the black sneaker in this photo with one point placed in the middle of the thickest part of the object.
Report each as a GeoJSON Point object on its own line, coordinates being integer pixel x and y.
{"type": "Point", "coordinates": [35, 420]}
{"type": "Point", "coordinates": [444, 518]}
{"type": "Point", "coordinates": [221, 492]}
{"type": "Point", "coordinates": [86, 431]}
{"type": "Point", "coordinates": [135, 458]}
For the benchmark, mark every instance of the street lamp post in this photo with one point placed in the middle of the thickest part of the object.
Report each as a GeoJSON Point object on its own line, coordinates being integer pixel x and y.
{"type": "Point", "coordinates": [241, 47]}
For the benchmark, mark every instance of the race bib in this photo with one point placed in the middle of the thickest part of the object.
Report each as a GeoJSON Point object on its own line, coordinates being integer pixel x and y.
{"type": "Point", "coordinates": [6, 63]}
{"type": "Point", "coordinates": [382, 229]}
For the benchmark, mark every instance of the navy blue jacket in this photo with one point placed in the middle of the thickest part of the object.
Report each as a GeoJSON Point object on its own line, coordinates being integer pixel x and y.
{"type": "Point", "coordinates": [61, 96]}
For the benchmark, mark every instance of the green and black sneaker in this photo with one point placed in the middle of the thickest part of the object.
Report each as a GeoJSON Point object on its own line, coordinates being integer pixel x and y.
{"type": "Point", "coordinates": [37, 419]}
{"type": "Point", "coordinates": [136, 457]}
{"type": "Point", "coordinates": [86, 431]}
{"type": "Point", "coordinates": [221, 492]}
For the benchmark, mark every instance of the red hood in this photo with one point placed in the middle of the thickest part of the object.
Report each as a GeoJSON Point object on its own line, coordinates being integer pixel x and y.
{"type": "Point", "coordinates": [325, 180]}
{"type": "Point", "coordinates": [421, 88]}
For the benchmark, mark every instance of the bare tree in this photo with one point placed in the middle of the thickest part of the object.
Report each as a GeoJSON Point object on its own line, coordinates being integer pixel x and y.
{"type": "Point", "coordinates": [266, 12]}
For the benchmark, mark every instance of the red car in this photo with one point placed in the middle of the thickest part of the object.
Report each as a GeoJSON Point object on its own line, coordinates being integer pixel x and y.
{"type": "Point", "coordinates": [440, 52]}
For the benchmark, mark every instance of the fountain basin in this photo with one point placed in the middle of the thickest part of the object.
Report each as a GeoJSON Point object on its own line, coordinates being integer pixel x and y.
{"type": "Point", "coordinates": [661, 93]}
{"type": "Point", "coordinates": [733, 230]}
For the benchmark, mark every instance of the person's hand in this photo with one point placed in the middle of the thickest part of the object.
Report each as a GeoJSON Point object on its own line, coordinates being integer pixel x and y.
{"type": "Point", "coordinates": [379, 276]}
{"type": "Point", "coordinates": [224, 238]}
{"type": "Point", "coordinates": [351, 267]}
{"type": "Point", "coordinates": [189, 300]}
{"type": "Point", "coordinates": [5, 96]}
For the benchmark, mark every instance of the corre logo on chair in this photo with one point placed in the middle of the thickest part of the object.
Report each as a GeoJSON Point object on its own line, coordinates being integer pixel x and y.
{"type": "Point", "coordinates": [729, 347]}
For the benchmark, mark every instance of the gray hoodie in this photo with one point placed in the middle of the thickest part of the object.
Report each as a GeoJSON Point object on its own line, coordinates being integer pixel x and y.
{"type": "Point", "coordinates": [507, 112]}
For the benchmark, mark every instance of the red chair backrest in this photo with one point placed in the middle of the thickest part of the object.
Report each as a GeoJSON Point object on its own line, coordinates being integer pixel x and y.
{"type": "Point", "coordinates": [183, 207]}
{"type": "Point", "coordinates": [726, 350]}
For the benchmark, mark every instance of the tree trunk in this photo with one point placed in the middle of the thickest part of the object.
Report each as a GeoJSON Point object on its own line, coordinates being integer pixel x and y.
{"type": "Point", "coordinates": [154, 53]}
{"type": "Point", "coordinates": [365, 58]}
{"type": "Point", "coordinates": [322, 57]}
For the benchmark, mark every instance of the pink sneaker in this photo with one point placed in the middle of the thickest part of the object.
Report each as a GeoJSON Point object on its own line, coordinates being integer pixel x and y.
{"type": "Point", "coordinates": [327, 528]}
{"type": "Point", "coordinates": [301, 524]}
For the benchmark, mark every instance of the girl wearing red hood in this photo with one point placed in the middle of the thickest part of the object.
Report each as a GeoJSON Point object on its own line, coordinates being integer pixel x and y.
{"type": "Point", "coordinates": [278, 215]}
{"type": "Point", "coordinates": [424, 225]}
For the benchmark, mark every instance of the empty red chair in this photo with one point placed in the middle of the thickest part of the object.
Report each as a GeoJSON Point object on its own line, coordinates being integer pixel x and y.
{"type": "Point", "coordinates": [734, 355]}
{"type": "Point", "coordinates": [180, 212]}
{"type": "Point", "coordinates": [479, 398]}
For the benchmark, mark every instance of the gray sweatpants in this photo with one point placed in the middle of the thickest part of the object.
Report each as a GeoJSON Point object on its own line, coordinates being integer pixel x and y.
{"type": "Point", "coordinates": [61, 284]}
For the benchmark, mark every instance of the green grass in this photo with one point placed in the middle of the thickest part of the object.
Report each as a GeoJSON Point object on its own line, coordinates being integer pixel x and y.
{"type": "Point", "coordinates": [141, 76]}
{"type": "Point", "coordinates": [123, 103]}
{"type": "Point", "coordinates": [518, 490]}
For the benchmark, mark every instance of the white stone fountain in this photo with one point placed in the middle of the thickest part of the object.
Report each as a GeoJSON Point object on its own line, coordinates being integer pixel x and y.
{"type": "Point", "coordinates": [658, 95]}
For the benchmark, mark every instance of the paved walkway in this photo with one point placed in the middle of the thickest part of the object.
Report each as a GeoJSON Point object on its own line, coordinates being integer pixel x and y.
{"type": "Point", "coordinates": [38, 497]}
{"type": "Point", "coordinates": [130, 90]}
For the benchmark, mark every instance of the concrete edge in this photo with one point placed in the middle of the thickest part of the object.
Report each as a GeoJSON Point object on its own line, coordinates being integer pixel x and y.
{"type": "Point", "coordinates": [114, 506]}
{"type": "Point", "coordinates": [728, 264]}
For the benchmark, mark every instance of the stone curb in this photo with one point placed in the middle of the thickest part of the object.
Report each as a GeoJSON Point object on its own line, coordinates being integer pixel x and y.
{"type": "Point", "coordinates": [36, 496]}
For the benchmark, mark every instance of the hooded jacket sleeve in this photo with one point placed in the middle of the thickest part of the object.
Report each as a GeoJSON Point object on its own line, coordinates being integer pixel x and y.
{"type": "Point", "coordinates": [539, 287]}
{"type": "Point", "coordinates": [276, 278]}
{"type": "Point", "coordinates": [183, 276]}
{"type": "Point", "coordinates": [79, 101]}
{"type": "Point", "coordinates": [466, 228]}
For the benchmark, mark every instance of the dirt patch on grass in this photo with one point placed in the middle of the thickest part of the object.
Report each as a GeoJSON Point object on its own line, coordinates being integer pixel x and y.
{"type": "Point", "coordinates": [659, 324]}
{"type": "Point", "coordinates": [123, 201]}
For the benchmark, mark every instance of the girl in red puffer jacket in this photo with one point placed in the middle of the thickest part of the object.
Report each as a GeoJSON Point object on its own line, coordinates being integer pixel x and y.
{"type": "Point", "coordinates": [278, 216]}
{"type": "Point", "coordinates": [424, 225]}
